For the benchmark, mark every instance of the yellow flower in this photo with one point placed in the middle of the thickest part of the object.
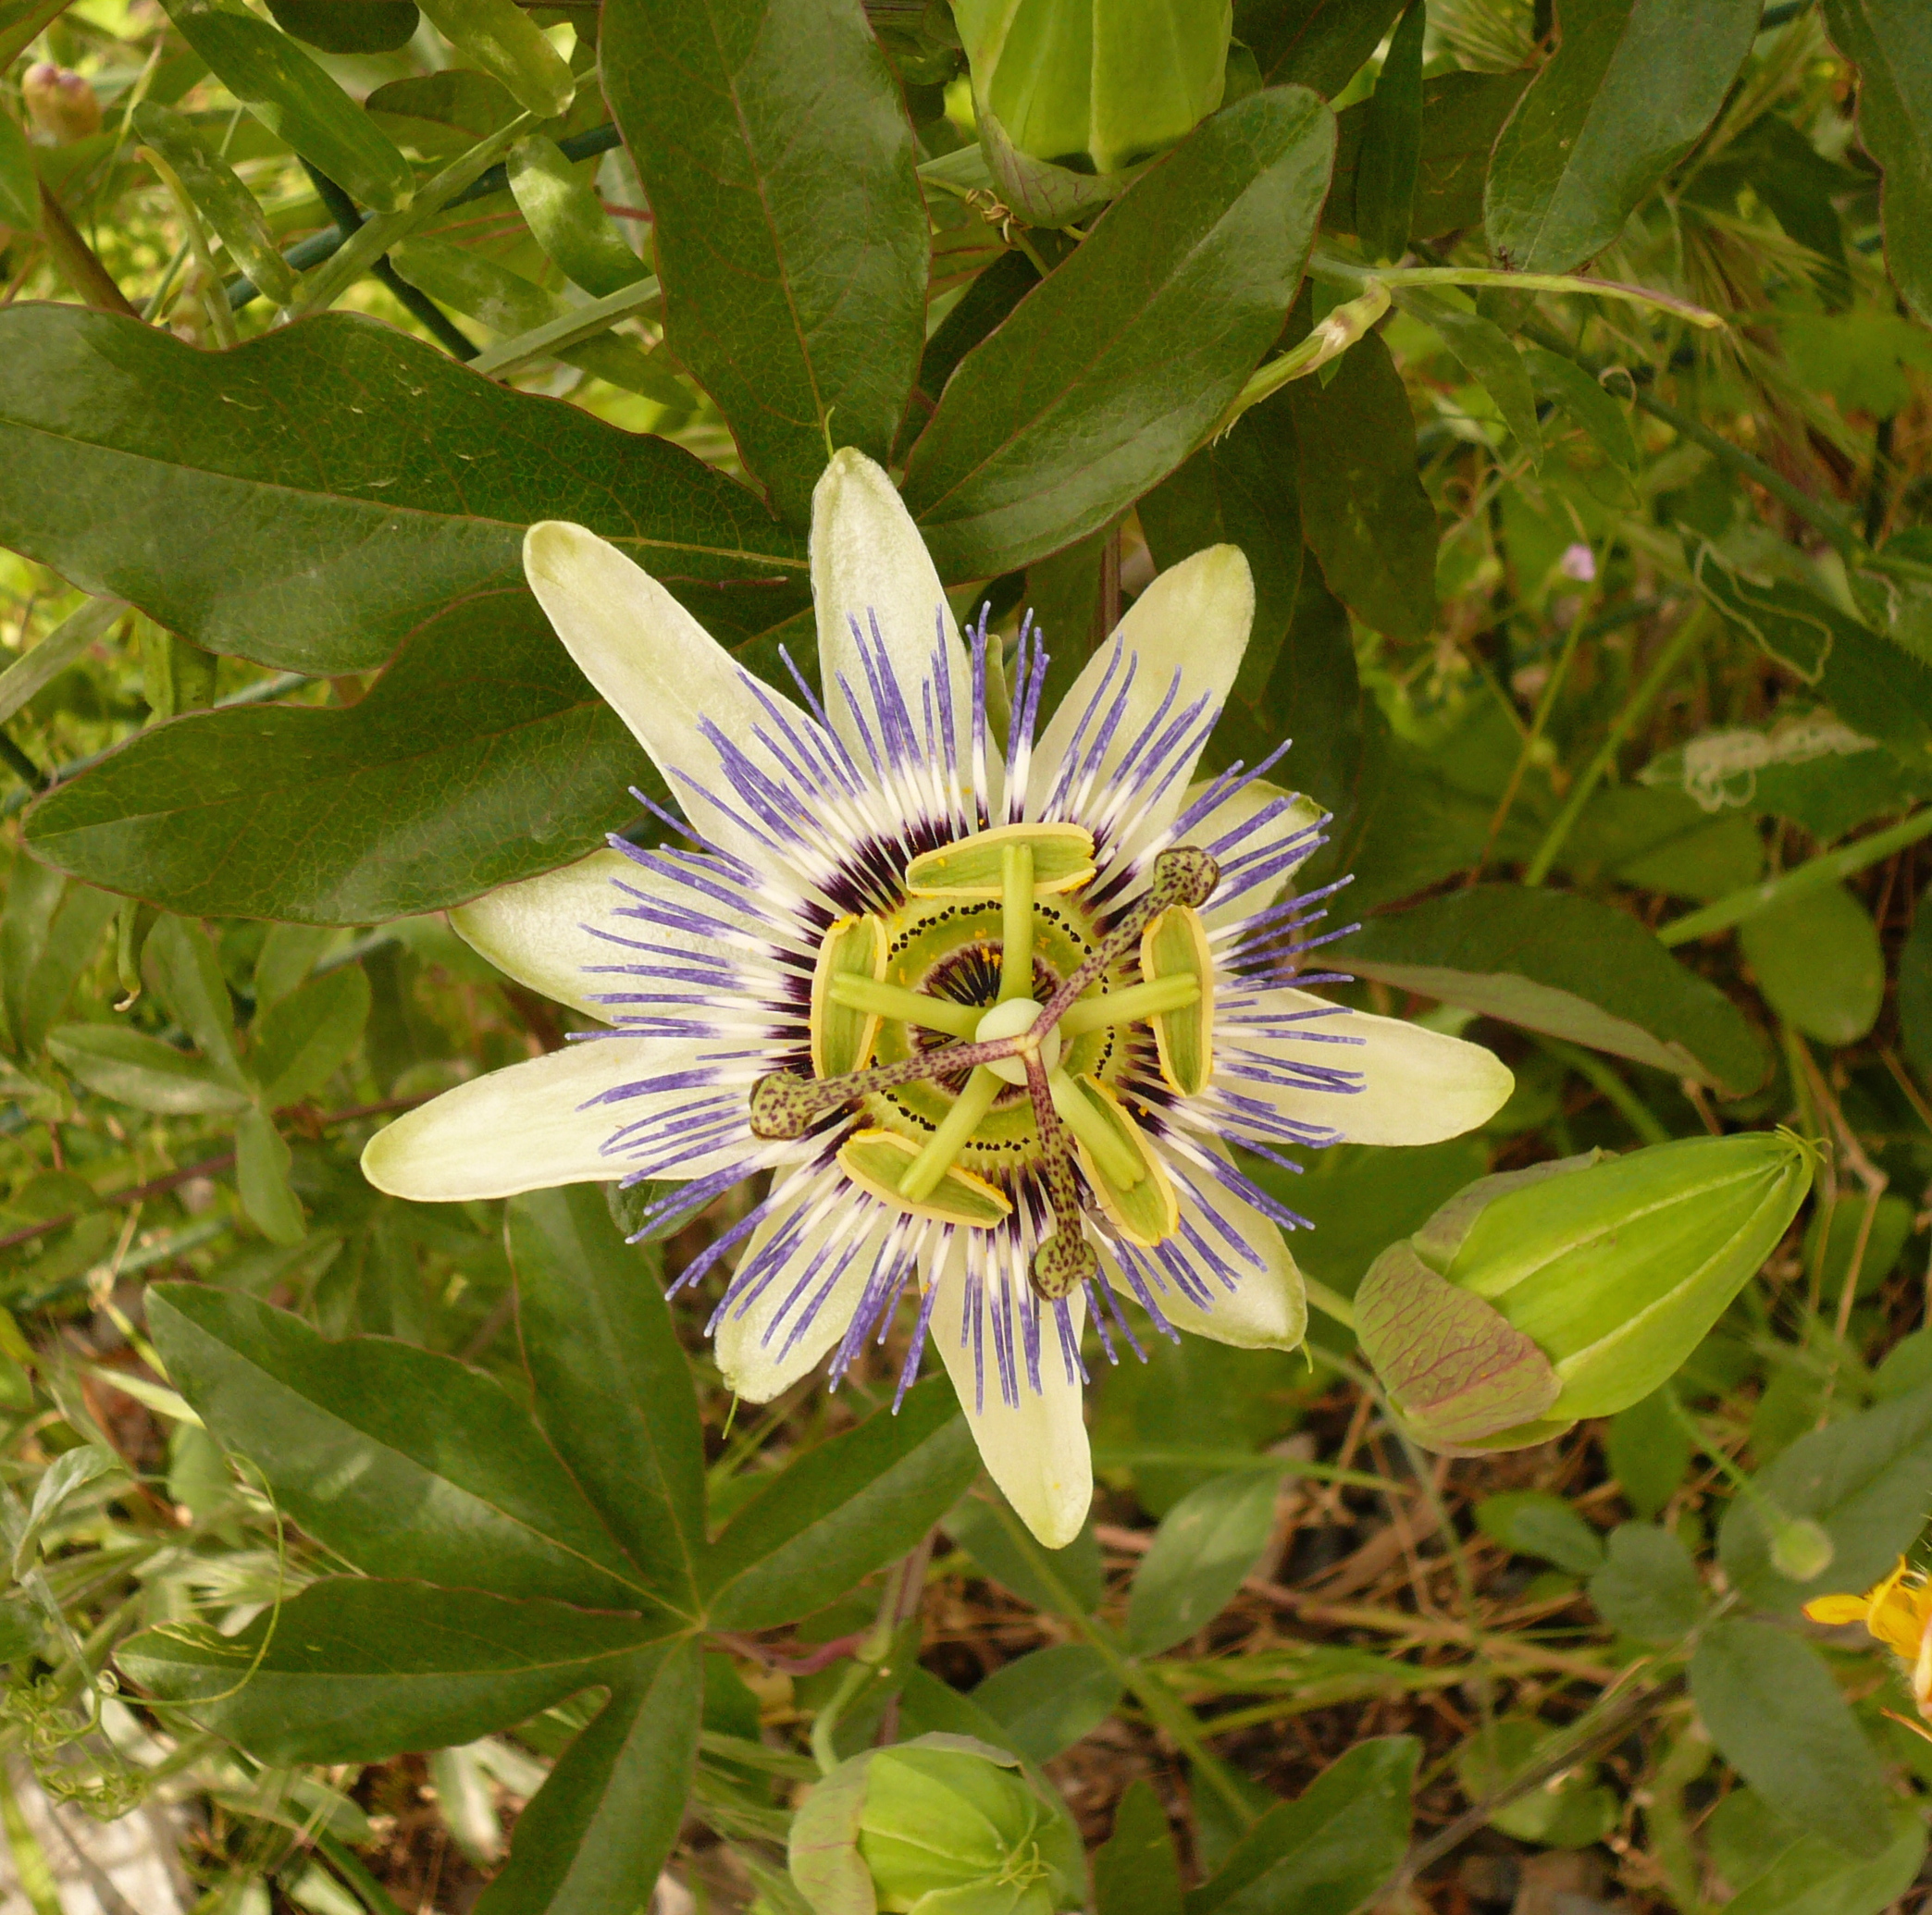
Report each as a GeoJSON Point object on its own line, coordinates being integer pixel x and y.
{"type": "Point", "coordinates": [1897, 1613]}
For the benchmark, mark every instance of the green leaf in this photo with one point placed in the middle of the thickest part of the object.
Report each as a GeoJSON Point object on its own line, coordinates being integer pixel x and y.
{"type": "Point", "coordinates": [510, 48]}
{"type": "Point", "coordinates": [1572, 1813]}
{"type": "Point", "coordinates": [1862, 1477]}
{"type": "Point", "coordinates": [1329, 1851]}
{"type": "Point", "coordinates": [1648, 1587]}
{"type": "Point", "coordinates": [564, 211]}
{"type": "Point", "coordinates": [353, 1670]}
{"type": "Point", "coordinates": [70, 1473]}
{"type": "Point", "coordinates": [1565, 383]}
{"type": "Point", "coordinates": [1534, 1522]}
{"type": "Point", "coordinates": [1890, 43]}
{"type": "Point", "coordinates": [1648, 1451]}
{"type": "Point", "coordinates": [1364, 512]}
{"type": "Point", "coordinates": [297, 102]}
{"type": "Point", "coordinates": [1632, 85]}
{"type": "Point", "coordinates": [302, 1041]}
{"type": "Point", "coordinates": [220, 197]}
{"type": "Point", "coordinates": [1916, 988]}
{"type": "Point", "coordinates": [598, 1832]}
{"type": "Point", "coordinates": [1811, 1876]}
{"type": "Point", "coordinates": [440, 114]}
{"type": "Point", "coordinates": [1205, 1546]}
{"type": "Point", "coordinates": [401, 1461]}
{"type": "Point", "coordinates": [980, 1528]}
{"type": "Point", "coordinates": [40, 979]}
{"type": "Point", "coordinates": [480, 756]}
{"type": "Point", "coordinates": [508, 304]}
{"type": "Point", "coordinates": [323, 487]}
{"type": "Point", "coordinates": [1137, 1871]}
{"type": "Point", "coordinates": [1107, 374]}
{"type": "Point", "coordinates": [348, 26]}
{"type": "Point", "coordinates": [1461, 116]}
{"type": "Point", "coordinates": [841, 1509]}
{"type": "Point", "coordinates": [613, 1387]}
{"type": "Point", "coordinates": [1776, 1714]}
{"type": "Point", "coordinates": [790, 235]}
{"type": "Point", "coordinates": [262, 1176]}
{"type": "Point", "coordinates": [1047, 1700]}
{"type": "Point", "coordinates": [1392, 143]}
{"type": "Point", "coordinates": [184, 973]}
{"type": "Point", "coordinates": [1796, 627]}
{"type": "Point", "coordinates": [1489, 358]}
{"type": "Point", "coordinates": [1313, 44]}
{"type": "Point", "coordinates": [19, 184]}
{"type": "Point", "coordinates": [1554, 962]}
{"type": "Point", "coordinates": [135, 1068]}
{"type": "Point", "coordinates": [1819, 964]}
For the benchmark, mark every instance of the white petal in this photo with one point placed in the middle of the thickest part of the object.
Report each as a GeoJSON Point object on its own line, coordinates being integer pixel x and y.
{"type": "Point", "coordinates": [1418, 1086]}
{"type": "Point", "coordinates": [869, 562]}
{"type": "Point", "coordinates": [1193, 621]}
{"type": "Point", "coordinates": [1267, 1309]}
{"type": "Point", "coordinates": [656, 666]}
{"type": "Point", "coordinates": [545, 932]}
{"type": "Point", "coordinates": [761, 1351]}
{"type": "Point", "coordinates": [1038, 1449]}
{"type": "Point", "coordinates": [520, 1128]}
{"type": "Point", "coordinates": [535, 931]}
{"type": "Point", "coordinates": [1241, 894]}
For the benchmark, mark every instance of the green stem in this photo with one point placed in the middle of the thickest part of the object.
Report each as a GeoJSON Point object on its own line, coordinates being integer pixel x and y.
{"type": "Point", "coordinates": [1634, 1111]}
{"type": "Point", "coordinates": [1332, 265]}
{"type": "Point", "coordinates": [349, 1865]}
{"type": "Point", "coordinates": [1330, 1303]}
{"type": "Point", "coordinates": [1813, 875]}
{"type": "Point", "coordinates": [371, 241]}
{"type": "Point", "coordinates": [921, 1176]}
{"type": "Point", "coordinates": [1666, 661]}
{"type": "Point", "coordinates": [1545, 706]}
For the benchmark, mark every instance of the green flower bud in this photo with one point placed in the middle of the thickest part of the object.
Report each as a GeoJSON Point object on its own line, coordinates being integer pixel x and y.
{"type": "Point", "coordinates": [1071, 97]}
{"type": "Point", "coordinates": [941, 1825]}
{"type": "Point", "coordinates": [1574, 1288]}
{"type": "Point", "coordinates": [61, 104]}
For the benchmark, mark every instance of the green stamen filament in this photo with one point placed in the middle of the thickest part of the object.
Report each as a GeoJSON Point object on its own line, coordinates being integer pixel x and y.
{"type": "Point", "coordinates": [1118, 1163]}
{"type": "Point", "coordinates": [1137, 1001]}
{"type": "Point", "coordinates": [908, 1006]}
{"type": "Point", "coordinates": [923, 1175]}
{"type": "Point", "coordinates": [1016, 916]}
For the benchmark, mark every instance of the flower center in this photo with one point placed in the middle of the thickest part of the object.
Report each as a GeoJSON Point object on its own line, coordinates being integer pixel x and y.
{"type": "Point", "coordinates": [993, 916]}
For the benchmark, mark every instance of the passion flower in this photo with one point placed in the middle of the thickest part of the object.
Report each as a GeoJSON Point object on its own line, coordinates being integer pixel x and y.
{"type": "Point", "coordinates": [987, 1012]}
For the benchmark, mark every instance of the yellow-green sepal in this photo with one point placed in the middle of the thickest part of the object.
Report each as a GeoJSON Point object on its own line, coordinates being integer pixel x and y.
{"type": "Point", "coordinates": [1142, 1207]}
{"type": "Point", "coordinates": [1176, 944]}
{"type": "Point", "coordinates": [1062, 861]}
{"type": "Point", "coordinates": [841, 1039]}
{"type": "Point", "coordinates": [875, 1160]}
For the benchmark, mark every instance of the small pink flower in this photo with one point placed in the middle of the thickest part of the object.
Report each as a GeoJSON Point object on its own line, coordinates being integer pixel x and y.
{"type": "Point", "coordinates": [1578, 563]}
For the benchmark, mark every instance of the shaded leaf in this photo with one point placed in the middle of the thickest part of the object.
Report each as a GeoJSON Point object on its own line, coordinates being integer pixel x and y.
{"type": "Point", "coordinates": [977, 1526]}
{"type": "Point", "coordinates": [1890, 43]}
{"type": "Point", "coordinates": [1648, 1587]}
{"type": "Point", "coordinates": [1111, 371]}
{"type": "Point", "coordinates": [612, 1388]}
{"type": "Point", "coordinates": [1047, 1700]}
{"type": "Point", "coordinates": [219, 196]}
{"type": "Point", "coordinates": [19, 184]}
{"type": "Point", "coordinates": [1137, 1872]}
{"type": "Point", "coordinates": [1566, 965]}
{"type": "Point", "coordinates": [405, 1462]}
{"type": "Point", "coordinates": [1534, 1523]}
{"type": "Point", "coordinates": [599, 1831]}
{"type": "Point", "coordinates": [1364, 512]}
{"type": "Point", "coordinates": [1812, 1876]}
{"type": "Point", "coordinates": [262, 1176]}
{"type": "Point", "coordinates": [184, 973]}
{"type": "Point", "coordinates": [1392, 143]}
{"type": "Point", "coordinates": [1461, 116]}
{"type": "Point", "coordinates": [840, 1510]}
{"type": "Point", "coordinates": [349, 26]}
{"type": "Point", "coordinates": [1778, 1719]}
{"type": "Point", "coordinates": [1489, 358]}
{"type": "Point", "coordinates": [564, 211]}
{"type": "Point", "coordinates": [1632, 85]}
{"type": "Point", "coordinates": [509, 47]}
{"type": "Point", "coordinates": [790, 234]}
{"type": "Point", "coordinates": [1819, 964]}
{"type": "Point", "coordinates": [480, 756]}
{"type": "Point", "coordinates": [132, 1067]}
{"type": "Point", "coordinates": [354, 1670]}
{"type": "Point", "coordinates": [1566, 384]}
{"type": "Point", "coordinates": [303, 1039]}
{"type": "Point", "coordinates": [1207, 1544]}
{"type": "Point", "coordinates": [1327, 1852]}
{"type": "Point", "coordinates": [322, 488]}
{"type": "Point", "coordinates": [1317, 43]}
